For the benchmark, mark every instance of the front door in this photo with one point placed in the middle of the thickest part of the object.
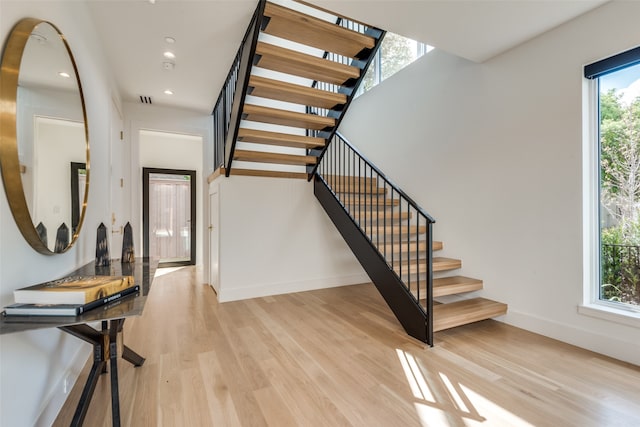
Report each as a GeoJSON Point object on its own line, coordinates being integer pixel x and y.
{"type": "Point", "coordinates": [169, 216]}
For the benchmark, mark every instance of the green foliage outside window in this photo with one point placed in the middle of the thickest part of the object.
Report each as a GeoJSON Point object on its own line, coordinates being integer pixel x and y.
{"type": "Point", "coordinates": [620, 197]}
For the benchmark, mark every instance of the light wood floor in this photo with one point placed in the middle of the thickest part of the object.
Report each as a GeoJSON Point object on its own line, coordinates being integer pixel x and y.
{"type": "Point", "coordinates": [338, 357]}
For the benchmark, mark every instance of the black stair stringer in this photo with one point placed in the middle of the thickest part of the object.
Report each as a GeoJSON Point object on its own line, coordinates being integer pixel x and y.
{"type": "Point", "coordinates": [407, 311]}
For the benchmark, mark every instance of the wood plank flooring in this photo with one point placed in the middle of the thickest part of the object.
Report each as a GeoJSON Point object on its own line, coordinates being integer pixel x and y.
{"type": "Point", "coordinates": [338, 357]}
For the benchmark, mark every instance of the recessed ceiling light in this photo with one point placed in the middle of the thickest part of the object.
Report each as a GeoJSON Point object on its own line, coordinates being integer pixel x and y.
{"type": "Point", "coordinates": [152, 1]}
{"type": "Point", "coordinates": [169, 40]}
{"type": "Point", "coordinates": [169, 55]}
{"type": "Point", "coordinates": [63, 74]}
{"type": "Point", "coordinates": [168, 92]}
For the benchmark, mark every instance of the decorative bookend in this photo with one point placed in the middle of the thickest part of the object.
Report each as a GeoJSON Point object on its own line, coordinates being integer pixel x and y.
{"type": "Point", "coordinates": [62, 238]}
{"type": "Point", "coordinates": [128, 254]}
{"type": "Point", "coordinates": [42, 233]}
{"type": "Point", "coordinates": [102, 247]}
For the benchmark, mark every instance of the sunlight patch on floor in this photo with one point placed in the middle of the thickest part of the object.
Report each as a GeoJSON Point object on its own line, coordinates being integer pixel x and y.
{"type": "Point", "coordinates": [443, 401]}
{"type": "Point", "coordinates": [499, 415]}
{"type": "Point", "coordinates": [166, 270]}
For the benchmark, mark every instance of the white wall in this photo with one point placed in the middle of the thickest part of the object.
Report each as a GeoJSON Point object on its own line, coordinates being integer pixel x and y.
{"type": "Point", "coordinates": [493, 151]}
{"type": "Point", "coordinates": [34, 364]}
{"type": "Point", "coordinates": [276, 238]}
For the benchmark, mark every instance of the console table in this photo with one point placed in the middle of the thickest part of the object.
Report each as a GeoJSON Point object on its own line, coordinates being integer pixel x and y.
{"type": "Point", "coordinates": [107, 341]}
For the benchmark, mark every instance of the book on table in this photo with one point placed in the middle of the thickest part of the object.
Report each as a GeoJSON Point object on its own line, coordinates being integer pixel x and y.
{"type": "Point", "coordinates": [27, 309]}
{"type": "Point", "coordinates": [73, 290]}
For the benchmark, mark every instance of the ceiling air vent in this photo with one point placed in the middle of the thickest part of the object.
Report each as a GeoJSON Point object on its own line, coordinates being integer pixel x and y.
{"type": "Point", "coordinates": [145, 99]}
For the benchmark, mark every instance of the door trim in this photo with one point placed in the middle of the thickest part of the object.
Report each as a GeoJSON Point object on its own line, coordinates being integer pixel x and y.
{"type": "Point", "coordinates": [145, 212]}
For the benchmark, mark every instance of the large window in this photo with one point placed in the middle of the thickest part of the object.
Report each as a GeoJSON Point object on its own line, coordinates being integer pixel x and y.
{"type": "Point", "coordinates": [618, 171]}
{"type": "Point", "coordinates": [395, 53]}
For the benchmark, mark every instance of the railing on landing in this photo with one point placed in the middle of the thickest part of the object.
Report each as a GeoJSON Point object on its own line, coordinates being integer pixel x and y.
{"type": "Point", "coordinates": [350, 88]}
{"type": "Point", "coordinates": [227, 111]}
{"type": "Point", "coordinates": [376, 205]}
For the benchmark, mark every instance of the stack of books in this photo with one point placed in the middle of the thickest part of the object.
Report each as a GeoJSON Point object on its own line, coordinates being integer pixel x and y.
{"type": "Point", "coordinates": [70, 296]}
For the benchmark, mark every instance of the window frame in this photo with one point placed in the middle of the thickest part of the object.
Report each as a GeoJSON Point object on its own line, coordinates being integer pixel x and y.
{"type": "Point", "coordinates": [592, 305]}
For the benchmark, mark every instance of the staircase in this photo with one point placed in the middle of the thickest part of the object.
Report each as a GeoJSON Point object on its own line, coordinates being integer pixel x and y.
{"type": "Point", "coordinates": [301, 72]}
{"type": "Point", "coordinates": [391, 237]}
{"type": "Point", "coordinates": [293, 79]}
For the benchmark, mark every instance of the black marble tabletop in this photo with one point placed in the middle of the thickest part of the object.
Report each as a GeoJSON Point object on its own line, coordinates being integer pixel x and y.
{"type": "Point", "coordinates": [143, 270]}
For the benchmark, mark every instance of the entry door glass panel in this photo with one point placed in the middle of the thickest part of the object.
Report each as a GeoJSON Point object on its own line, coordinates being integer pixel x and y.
{"type": "Point", "coordinates": [170, 217]}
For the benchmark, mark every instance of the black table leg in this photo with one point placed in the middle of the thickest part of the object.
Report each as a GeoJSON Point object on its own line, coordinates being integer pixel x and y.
{"type": "Point", "coordinates": [113, 355]}
{"type": "Point", "coordinates": [106, 337]}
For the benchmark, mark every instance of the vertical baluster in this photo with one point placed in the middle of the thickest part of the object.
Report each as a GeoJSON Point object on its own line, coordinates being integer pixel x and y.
{"type": "Point", "coordinates": [384, 223]}
{"type": "Point", "coordinates": [393, 255]}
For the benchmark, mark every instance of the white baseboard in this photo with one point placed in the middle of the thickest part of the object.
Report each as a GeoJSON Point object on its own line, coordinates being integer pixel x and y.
{"type": "Point", "coordinates": [608, 345]}
{"type": "Point", "coordinates": [58, 397]}
{"type": "Point", "coordinates": [229, 293]}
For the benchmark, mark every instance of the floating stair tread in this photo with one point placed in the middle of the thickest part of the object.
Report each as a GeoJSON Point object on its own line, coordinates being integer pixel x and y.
{"type": "Point", "coordinates": [334, 180]}
{"type": "Point", "coordinates": [280, 139]}
{"type": "Point", "coordinates": [258, 113]}
{"type": "Point", "coordinates": [397, 229]}
{"type": "Point", "coordinates": [297, 94]}
{"type": "Point", "coordinates": [414, 246]}
{"type": "Point", "coordinates": [300, 64]}
{"type": "Point", "coordinates": [443, 264]}
{"type": "Point", "coordinates": [446, 316]}
{"type": "Point", "coordinates": [299, 27]}
{"type": "Point", "coordinates": [389, 217]}
{"type": "Point", "coordinates": [455, 285]}
{"type": "Point", "coordinates": [420, 265]}
{"type": "Point", "coordinates": [265, 173]}
{"type": "Point", "coordinates": [359, 189]}
{"type": "Point", "coordinates": [279, 158]}
{"type": "Point", "coordinates": [382, 202]}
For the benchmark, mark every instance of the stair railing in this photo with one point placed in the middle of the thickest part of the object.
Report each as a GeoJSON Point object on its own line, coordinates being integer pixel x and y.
{"type": "Point", "coordinates": [228, 108]}
{"type": "Point", "coordinates": [376, 205]}
{"type": "Point", "coordinates": [349, 88]}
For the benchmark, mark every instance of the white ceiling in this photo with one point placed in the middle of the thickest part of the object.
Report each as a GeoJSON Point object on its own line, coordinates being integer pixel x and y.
{"type": "Point", "coordinates": [208, 34]}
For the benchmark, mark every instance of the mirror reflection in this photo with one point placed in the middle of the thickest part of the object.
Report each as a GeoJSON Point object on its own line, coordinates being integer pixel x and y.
{"type": "Point", "coordinates": [51, 139]}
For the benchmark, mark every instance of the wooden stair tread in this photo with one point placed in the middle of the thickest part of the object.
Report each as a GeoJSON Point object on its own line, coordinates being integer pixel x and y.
{"type": "Point", "coordinates": [397, 229]}
{"type": "Point", "coordinates": [297, 94]}
{"type": "Point", "coordinates": [280, 158]}
{"type": "Point", "coordinates": [300, 64]}
{"type": "Point", "coordinates": [446, 316]}
{"type": "Point", "coordinates": [363, 202]}
{"type": "Point", "coordinates": [258, 113]}
{"type": "Point", "coordinates": [390, 217]}
{"type": "Point", "coordinates": [299, 27]}
{"type": "Point", "coordinates": [455, 285]}
{"type": "Point", "coordinates": [358, 189]}
{"type": "Point", "coordinates": [334, 180]}
{"type": "Point", "coordinates": [443, 264]}
{"type": "Point", "coordinates": [280, 139]}
{"type": "Point", "coordinates": [414, 246]}
{"type": "Point", "coordinates": [265, 173]}
{"type": "Point", "coordinates": [420, 265]}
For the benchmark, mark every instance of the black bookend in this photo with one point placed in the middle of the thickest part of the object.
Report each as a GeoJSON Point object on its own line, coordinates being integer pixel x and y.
{"type": "Point", "coordinates": [128, 254]}
{"type": "Point", "coordinates": [102, 247]}
{"type": "Point", "coordinates": [42, 233]}
{"type": "Point", "coordinates": [62, 238]}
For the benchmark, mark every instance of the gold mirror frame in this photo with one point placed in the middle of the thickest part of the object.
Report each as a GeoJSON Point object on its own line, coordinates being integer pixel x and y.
{"type": "Point", "coordinates": [9, 161]}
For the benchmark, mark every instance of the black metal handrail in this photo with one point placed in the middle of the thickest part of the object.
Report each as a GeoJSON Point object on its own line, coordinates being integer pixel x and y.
{"type": "Point", "coordinates": [394, 224]}
{"type": "Point", "coordinates": [227, 111]}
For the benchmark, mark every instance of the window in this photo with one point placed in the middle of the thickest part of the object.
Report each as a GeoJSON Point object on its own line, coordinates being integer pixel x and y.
{"type": "Point", "coordinates": [395, 53]}
{"type": "Point", "coordinates": [617, 169]}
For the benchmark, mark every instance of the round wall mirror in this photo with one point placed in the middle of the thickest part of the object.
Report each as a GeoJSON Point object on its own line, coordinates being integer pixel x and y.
{"type": "Point", "coordinates": [44, 143]}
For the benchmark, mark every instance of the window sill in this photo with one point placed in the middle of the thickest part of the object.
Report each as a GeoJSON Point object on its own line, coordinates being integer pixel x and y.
{"type": "Point", "coordinates": [612, 314]}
